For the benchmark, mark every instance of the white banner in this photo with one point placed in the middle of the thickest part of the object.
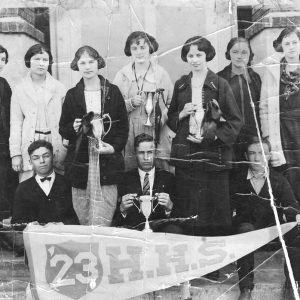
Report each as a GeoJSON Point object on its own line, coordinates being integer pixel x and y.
{"type": "Point", "coordinates": [81, 262]}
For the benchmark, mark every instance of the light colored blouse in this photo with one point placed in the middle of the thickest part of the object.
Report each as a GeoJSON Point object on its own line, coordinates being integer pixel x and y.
{"type": "Point", "coordinates": [93, 101]}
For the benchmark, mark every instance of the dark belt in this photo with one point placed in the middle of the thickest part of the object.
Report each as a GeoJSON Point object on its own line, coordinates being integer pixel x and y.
{"type": "Point", "coordinates": [41, 132]}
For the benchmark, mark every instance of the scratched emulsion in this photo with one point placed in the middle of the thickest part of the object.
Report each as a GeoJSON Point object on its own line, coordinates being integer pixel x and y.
{"type": "Point", "coordinates": [18, 274]}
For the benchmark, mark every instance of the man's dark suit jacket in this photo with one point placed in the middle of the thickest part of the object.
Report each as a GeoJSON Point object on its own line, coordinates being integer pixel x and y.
{"type": "Point", "coordinates": [256, 209]}
{"type": "Point", "coordinates": [32, 204]}
{"type": "Point", "coordinates": [131, 184]}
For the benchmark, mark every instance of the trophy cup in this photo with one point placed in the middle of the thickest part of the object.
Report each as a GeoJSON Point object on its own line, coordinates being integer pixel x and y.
{"type": "Point", "coordinates": [149, 107]}
{"type": "Point", "coordinates": [146, 206]}
{"type": "Point", "coordinates": [98, 128]}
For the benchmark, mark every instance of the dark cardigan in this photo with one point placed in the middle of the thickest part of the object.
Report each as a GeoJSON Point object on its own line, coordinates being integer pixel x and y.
{"type": "Point", "coordinates": [112, 103]}
{"type": "Point", "coordinates": [218, 155]}
{"type": "Point", "coordinates": [249, 127]}
{"type": "Point", "coordinates": [5, 95]}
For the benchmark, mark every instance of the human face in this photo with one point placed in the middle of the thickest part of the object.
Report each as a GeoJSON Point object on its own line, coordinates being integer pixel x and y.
{"type": "Point", "coordinates": [88, 66]}
{"type": "Point", "coordinates": [196, 59]}
{"type": "Point", "coordinates": [145, 154]}
{"type": "Point", "coordinates": [239, 54]}
{"type": "Point", "coordinates": [140, 51]}
{"type": "Point", "coordinates": [39, 63]}
{"type": "Point", "coordinates": [2, 60]}
{"type": "Point", "coordinates": [42, 161]}
{"type": "Point", "coordinates": [291, 47]}
{"type": "Point", "coordinates": [255, 156]}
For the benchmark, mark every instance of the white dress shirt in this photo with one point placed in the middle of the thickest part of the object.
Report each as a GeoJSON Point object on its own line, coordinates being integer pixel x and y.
{"type": "Point", "coordinates": [47, 184]}
{"type": "Point", "coordinates": [151, 178]}
{"type": "Point", "coordinates": [257, 180]}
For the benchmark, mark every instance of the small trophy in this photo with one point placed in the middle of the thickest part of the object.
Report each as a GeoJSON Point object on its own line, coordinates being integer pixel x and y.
{"type": "Point", "coordinates": [149, 107]}
{"type": "Point", "coordinates": [146, 206]}
{"type": "Point", "coordinates": [98, 127]}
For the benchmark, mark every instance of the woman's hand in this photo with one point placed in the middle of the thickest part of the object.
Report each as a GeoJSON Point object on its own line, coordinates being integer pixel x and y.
{"type": "Point", "coordinates": [137, 100]}
{"type": "Point", "coordinates": [77, 124]}
{"type": "Point", "coordinates": [17, 163]}
{"type": "Point", "coordinates": [188, 109]}
{"type": "Point", "coordinates": [105, 148]}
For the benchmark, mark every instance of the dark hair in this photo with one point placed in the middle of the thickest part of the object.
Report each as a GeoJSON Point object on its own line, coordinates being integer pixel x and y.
{"type": "Point", "coordinates": [37, 49]}
{"type": "Point", "coordinates": [91, 52]}
{"type": "Point", "coordinates": [236, 40]}
{"type": "Point", "coordinates": [255, 140]}
{"type": "Point", "coordinates": [38, 144]}
{"type": "Point", "coordinates": [143, 137]}
{"type": "Point", "coordinates": [3, 50]}
{"type": "Point", "coordinates": [135, 36]}
{"type": "Point", "coordinates": [202, 44]}
{"type": "Point", "coordinates": [277, 44]}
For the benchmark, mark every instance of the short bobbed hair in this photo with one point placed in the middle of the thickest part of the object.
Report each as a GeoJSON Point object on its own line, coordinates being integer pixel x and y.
{"type": "Point", "coordinates": [91, 52]}
{"type": "Point", "coordinates": [143, 137]}
{"type": "Point", "coordinates": [3, 50]}
{"type": "Point", "coordinates": [277, 44]}
{"type": "Point", "coordinates": [236, 40]}
{"type": "Point", "coordinates": [135, 37]}
{"type": "Point", "coordinates": [37, 49]}
{"type": "Point", "coordinates": [255, 140]}
{"type": "Point", "coordinates": [38, 144]}
{"type": "Point", "coordinates": [202, 44]}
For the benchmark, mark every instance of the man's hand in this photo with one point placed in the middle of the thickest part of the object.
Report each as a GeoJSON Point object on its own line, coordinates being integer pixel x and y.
{"type": "Point", "coordinates": [127, 202]}
{"type": "Point", "coordinates": [165, 201]}
{"type": "Point", "coordinates": [298, 219]}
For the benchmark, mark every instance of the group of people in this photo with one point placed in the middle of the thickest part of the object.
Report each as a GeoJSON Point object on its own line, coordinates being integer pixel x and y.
{"type": "Point", "coordinates": [202, 149]}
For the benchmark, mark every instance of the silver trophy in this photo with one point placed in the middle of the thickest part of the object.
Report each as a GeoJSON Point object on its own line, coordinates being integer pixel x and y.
{"type": "Point", "coordinates": [149, 106]}
{"type": "Point", "coordinates": [98, 127]}
{"type": "Point", "coordinates": [146, 207]}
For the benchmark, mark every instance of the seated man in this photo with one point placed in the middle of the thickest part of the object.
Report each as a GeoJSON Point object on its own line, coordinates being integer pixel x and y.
{"type": "Point", "coordinates": [250, 199]}
{"type": "Point", "coordinates": [45, 197]}
{"type": "Point", "coordinates": [146, 180]}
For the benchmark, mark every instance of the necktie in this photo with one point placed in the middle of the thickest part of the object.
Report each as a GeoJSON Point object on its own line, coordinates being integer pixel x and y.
{"type": "Point", "coordinates": [146, 185]}
{"type": "Point", "coordinates": [46, 178]}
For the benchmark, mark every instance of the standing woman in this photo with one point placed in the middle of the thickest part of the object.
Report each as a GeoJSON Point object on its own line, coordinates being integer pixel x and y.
{"type": "Point", "coordinates": [143, 74]}
{"type": "Point", "coordinates": [202, 162]}
{"type": "Point", "coordinates": [35, 110]}
{"type": "Point", "coordinates": [280, 106]}
{"type": "Point", "coordinates": [5, 95]}
{"type": "Point", "coordinates": [239, 75]}
{"type": "Point", "coordinates": [93, 93]}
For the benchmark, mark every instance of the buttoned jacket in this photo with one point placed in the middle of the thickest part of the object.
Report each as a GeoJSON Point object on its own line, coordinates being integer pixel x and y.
{"type": "Point", "coordinates": [218, 155]}
{"type": "Point", "coordinates": [23, 118]}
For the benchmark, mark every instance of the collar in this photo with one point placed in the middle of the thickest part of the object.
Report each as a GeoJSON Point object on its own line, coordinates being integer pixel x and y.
{"type": "Point", "coordinates": [211, 80]}
{"type": "Point", "coordinates": [104, 87]}
{"type": "Point", "coordinates": [151, 76]}
{"type": "Point", "coordinates": [245, 75]}
{"type": "Point", "coordinates": [52, 175]}
{"type": "Point", "coordinates": [251, 174]}
{"type": "Point", "coordinates": [143, 173]}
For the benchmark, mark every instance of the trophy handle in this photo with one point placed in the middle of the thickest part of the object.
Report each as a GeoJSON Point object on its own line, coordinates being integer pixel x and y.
{"type": "Point", "coordinates": [153, 208]}
{"type": "Point", "coordinates": [137, 198]}
{"type": "Point", "coordinates": [107, 131]}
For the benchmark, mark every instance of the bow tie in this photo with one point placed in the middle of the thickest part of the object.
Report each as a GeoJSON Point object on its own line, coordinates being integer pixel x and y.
{"type": "Point", "coordinates": [46, 178]}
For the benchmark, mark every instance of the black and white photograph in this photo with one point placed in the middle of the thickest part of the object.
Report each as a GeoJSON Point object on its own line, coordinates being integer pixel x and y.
{"type": "Point", "coordinates": [149, 149]}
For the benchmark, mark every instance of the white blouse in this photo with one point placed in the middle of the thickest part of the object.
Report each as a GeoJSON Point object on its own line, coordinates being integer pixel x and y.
{"type": "Point", "coordinates": [93, 101]}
